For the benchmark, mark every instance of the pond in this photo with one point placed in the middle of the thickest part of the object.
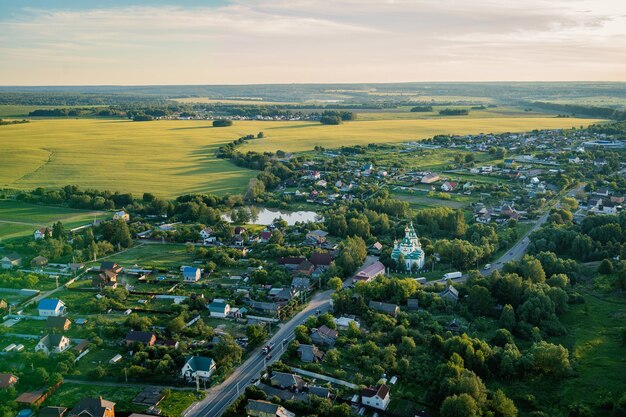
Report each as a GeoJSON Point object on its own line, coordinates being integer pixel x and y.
{"type": "Point", "coordinates": [264, 216]}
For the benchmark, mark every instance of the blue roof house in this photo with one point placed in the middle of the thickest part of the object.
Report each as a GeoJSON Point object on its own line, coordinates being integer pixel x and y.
{"type": "Point", "coordinates": [51, 307]}
{"type": "Point", "coordinates": [191, 274]}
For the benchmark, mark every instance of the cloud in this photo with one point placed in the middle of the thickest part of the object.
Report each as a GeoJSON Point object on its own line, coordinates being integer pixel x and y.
{"type": "Point", "coordinates": [305, 40]}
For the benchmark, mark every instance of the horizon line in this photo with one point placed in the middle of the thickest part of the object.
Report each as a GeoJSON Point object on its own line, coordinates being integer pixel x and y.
{"type": "Point", "coordinates": [316, 83]}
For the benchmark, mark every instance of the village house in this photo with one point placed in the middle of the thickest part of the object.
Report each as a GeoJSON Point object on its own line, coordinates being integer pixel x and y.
{"type": "Point", "coordinates": [51, 411]}
{"type": "Point", "coordinates": [42, 233]}
{"type": "Point", "coordinates": [206, 233]}
{"type": "Point", "coordinates": [219, 308]}
{"type": "Point", "coordinates": [107, 278]}
{"type": "Point", "coordinates": [314, 175]}
{"type": "Point", "coordinates": [239, 230]}
{"type": "Point", "coordinates": [449, 186]}
{"type": "Point", "coordinates": [450, 294]}
{"type": "Point", "coordinates": [198, 367]}
{"type": "Point", "coordinates": [602, 191]}
{"type": "Point", "coordinates": [12, 260]}
{"type": "Point", "coordinates": [284, 380]}
{"type": "Point", "coordinates": [376, 248]}
{"type": "Point", "coordinates": [260, 408]}
{"type": "Point", "coordinates": [39, 262]}
{"type": "Point", "coordinates": [290, 262]}
{"type": "Point", "coordinates": [111, 266]}
{"type": "Point", "coordinates": [146, 338]}
{"type": "Point", "coordinates": [321, 259]}
{"type": "Point", "coordinates": [370, 272]}
{"type": "Point", "coordinates": [413, 304]}
{"type": "Point", "coordinates": [309, 353]}
{"type": "Point", "coordinates": [8, 380]}
{"type": "Point", "coordinates": [324, 335]}
{"type": "Point", "coordinates": [58, 323]}
{"type": "Point", "coordinates": [53, 343]}
{"type": "Point", "coordinates": [191, 274]}
{"type": "Point", "coordinates": [508, 211]}
{"type": "Point", "coordinates": [80, 347]}
{"type": "Point", "coordinates": [282, 295]}
{"type": "Point", "coordinates": [316, 237]}
{"type": "Point", "coordinates": [51, 307]}
{"type": "Point", "coordinates": [301, 283]}
{"type": "Point", "coordinates": [121, 215]}
{"type": "Point", "coordinates": [430, 178]}
{"type": "Point", "coordinates": [265, 236]}
{"type": "Point", "coordinates": [483, 215]}
{"type": "Point", "coordinates": [93, 407]}
{"type": "Point", "coordinates": [344, 322]}
{"type": "Point", "coordinates": [387, 308]}
{"type": "Point", "coordinates": [377, 397]}
{"type": "Point", "coordinates": [269, 308]}
{"type": "Point", "coordinates": [607, 207]}
{"type": "Point", "coordinates": [305, 268]}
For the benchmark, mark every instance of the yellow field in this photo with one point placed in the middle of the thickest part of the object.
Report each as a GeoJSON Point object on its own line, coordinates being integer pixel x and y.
{"type": "Point", "coordinates": [170, 157]}
{"type": "Point", "coordinates": [207, 100]}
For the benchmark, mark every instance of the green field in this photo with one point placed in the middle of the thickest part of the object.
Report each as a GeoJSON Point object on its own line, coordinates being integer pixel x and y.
{"type": "Point", "coordinates": [19, 219]}
{"type": "Point", "coordinates": [597, 354]}
{"type": "Point", "coordinates": [155, 255]}
{"type": "Point", "coordinates": [20, 111]}
{"type": "Point", "coordinates": [170, 157]}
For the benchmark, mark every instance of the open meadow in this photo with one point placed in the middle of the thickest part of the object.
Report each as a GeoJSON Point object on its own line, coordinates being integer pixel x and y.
{"type": "Point", "coordinates": [172, 157]}
{"type": "Point", "coordinates": [18, 219]}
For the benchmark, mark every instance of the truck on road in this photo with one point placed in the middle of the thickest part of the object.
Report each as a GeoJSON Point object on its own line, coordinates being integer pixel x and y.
{"type": "Point", "coordinates": [452, 275]}
{"type": "Point", "coordinates": [268, 348]}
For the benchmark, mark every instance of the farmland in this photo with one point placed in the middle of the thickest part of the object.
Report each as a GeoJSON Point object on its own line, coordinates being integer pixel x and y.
{"type": "Point", "coordinates": [19, 219]}
{"type": "Point", "coordinates": [170, 158]}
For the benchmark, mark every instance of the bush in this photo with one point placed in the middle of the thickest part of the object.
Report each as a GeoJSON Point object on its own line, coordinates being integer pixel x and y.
{"type": "Point", "coordinates": [606, 267]}
{"type": "Point", "coordinates": [142, 118]}
{"type": "Point", "coordinates": [222, 123]}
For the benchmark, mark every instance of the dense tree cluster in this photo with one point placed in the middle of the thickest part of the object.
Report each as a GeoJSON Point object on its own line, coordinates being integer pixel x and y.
{"type": "Point", "coordinates": [421, 109]}
{"type": "Point", "coordinates": [595, 238]}
{"type": "Point", "coordinates": [585, 110]}
{"type": "Point", "coordinates": [333, 117]}
{"type": "Point", "coordinates": [454, 112]}
{"type": "Point", "coordinates": [222, 123]}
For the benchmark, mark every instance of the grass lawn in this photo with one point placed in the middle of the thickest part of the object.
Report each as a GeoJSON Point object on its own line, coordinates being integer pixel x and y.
{"type": "Point", "coordinates": [597, 355]}
{"type": "Point", "coordinates": [594, 341]}
{"type": "Point", "coordinates": [97, 356]}
{"type": "Point", "coordinates": [155, 255]}
{"type": "Point", "coordinates": [69, 394]}
{"type": "Point", "coordinates": [177, 401]}
{"type": "Point", "coordinates": [18, 219]}
{"type": "Point", "coordinates": [420, 200]}
{"type": "Point", "coordinates": [177, 157]}
{"type": "Point", "coordinates": [9, 231]}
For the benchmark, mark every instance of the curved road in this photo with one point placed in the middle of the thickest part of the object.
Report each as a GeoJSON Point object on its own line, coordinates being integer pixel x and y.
{"type": "Point", "coordinates": [218, 398]}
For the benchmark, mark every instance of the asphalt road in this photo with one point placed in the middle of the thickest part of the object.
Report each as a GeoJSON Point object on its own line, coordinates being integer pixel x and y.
{"type": "Point", "coordinates": [218, 398]}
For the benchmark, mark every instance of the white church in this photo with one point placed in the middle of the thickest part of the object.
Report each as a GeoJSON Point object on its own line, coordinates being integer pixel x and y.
{"type": "Point", "coordinates": [410, 248]}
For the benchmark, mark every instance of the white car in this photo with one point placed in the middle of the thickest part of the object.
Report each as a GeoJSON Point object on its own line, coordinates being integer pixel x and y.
{"type": "Point", "coordinates": [488, 266]}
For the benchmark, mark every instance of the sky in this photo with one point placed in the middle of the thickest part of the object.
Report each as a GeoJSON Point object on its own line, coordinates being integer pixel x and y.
{"type": "Point", "coordinates": [139, 42]}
